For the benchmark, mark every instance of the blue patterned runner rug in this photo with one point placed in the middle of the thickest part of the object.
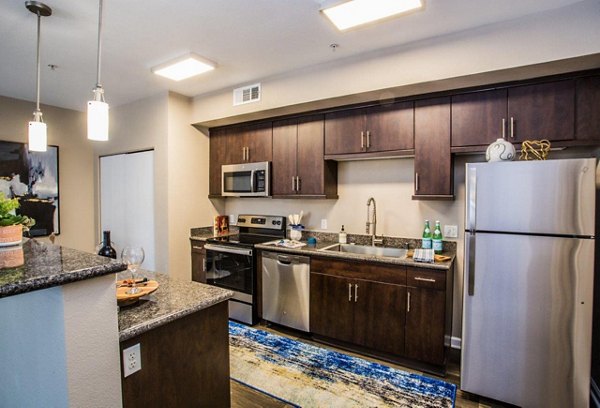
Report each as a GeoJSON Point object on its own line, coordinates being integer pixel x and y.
{"type": "Point", "coordinates": [311, 376]}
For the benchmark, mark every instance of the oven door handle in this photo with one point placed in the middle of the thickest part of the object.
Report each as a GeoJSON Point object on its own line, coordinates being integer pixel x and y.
{"type": "Point", "coordinates": [229, 250]}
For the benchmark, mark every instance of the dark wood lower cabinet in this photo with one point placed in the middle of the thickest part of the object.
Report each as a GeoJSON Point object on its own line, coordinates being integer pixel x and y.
{"type": "Point", "coordinates": [198, 262]}
{"type": "Point", "coordinates": [392, 310]}
{"type": "Point", "coordinates": [185, 363]}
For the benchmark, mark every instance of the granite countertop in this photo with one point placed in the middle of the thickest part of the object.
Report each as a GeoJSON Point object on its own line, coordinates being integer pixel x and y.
{"type": "Point", "coordinates": [48, 265]}
{"type": "Point", "coordinates": [172, 300]}
{"type": "Point", "coordinates": [315, 250]}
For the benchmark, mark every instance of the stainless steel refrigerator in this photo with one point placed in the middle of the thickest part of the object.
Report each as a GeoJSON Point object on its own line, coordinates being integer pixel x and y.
{"type": "Point", "coordinates": [528, 281]}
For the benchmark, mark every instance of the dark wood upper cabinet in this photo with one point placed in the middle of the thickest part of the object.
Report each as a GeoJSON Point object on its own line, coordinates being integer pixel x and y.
{"type": "Point", "coordinates": [258, 140]}
{"type": "Point", "coordinates": [299, 168]}
{"type": "Point", "coordinates": [587, 109]}
{"type": "Point", "coordinates": [542, 111]}
{"type": "Point", "coordinates": [433, 161]}
{"type": "Point", "coordinates": [219, 155]}
{"type": "Point", "coordinates": [370, 130]}
{"type": "Point", "coordinates": [478, 118]}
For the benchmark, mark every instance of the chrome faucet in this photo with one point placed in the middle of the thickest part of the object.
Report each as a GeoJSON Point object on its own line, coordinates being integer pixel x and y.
{"type": "Point", "coordinates": [372, 222]}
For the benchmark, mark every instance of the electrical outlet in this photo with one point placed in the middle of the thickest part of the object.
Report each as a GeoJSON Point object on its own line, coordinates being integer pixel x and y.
{"type": "Point", "coordinates": [323, 224]}
{"type": "Point", "coordinates": [132, 360]}
{"type": "Point", "coordinates": [232, 219]}
{"type": "Point", "coordinates": [450, 231]}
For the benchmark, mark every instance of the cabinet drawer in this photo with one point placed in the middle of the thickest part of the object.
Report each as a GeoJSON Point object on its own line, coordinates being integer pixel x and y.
{"type": "Point", "coordinates": [426, 278]}
{"type": "Point", "coordinates": [359, 270]}
{"type": "Point", "coordinates": [198, 246]}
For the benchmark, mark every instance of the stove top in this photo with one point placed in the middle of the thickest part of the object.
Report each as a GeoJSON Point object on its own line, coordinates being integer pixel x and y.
{"type": "Point", "coordinates": [244, 240]}
{"type": "Point", "coordinates": [254, 229]}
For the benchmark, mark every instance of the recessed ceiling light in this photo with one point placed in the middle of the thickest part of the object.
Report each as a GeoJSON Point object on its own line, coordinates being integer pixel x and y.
{"type": "Point", "coordinates": [184, 67]}
{"type": "Point", "coordinates": [356, 12]}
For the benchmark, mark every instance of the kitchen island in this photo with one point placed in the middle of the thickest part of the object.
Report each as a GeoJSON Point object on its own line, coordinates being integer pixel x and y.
{"type": "Point", "coordinates": [58, 329]}
{"type": "Point", "coordinates": [184, 345]}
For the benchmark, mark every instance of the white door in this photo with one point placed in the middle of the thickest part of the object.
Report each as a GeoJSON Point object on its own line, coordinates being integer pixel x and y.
{"type": "Point", "coordinates": [127, 201]}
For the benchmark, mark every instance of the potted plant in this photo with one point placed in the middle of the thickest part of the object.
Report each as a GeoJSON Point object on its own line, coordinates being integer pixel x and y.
{"type": "Point", "coordinates": [11, 224]}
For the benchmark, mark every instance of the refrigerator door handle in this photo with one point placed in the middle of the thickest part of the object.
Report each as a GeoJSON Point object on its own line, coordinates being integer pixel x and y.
{"type": "Point", "coordinates": [471, 206]}
{"type": "Point", "coordinates": [470, 264]}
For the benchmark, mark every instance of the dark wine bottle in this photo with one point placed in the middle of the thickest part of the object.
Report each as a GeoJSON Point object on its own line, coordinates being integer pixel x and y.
{"type": "Point", "coordinates": [107, 250]}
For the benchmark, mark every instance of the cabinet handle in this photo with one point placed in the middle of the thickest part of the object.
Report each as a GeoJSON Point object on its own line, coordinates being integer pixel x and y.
{"type": "Point", "coordinates": [408, 302]}
{"type": "Point", "coordinates": [204, 265]}
{"type": "Point", "coordinates": [504, 128]}
{"type": "Point", "coordinates": [243, 154]}
{"type": "Point", "coordinates": [512, 127]}
{"type": "Point", "coordinates": [368, 139]}
{"type": "Point", "coordinates": [247, 154]}
{"type": "Point", "coordinates": [418, 278]}
{"type": "Point", "coordinates": [362, 140]}
{"type": "Point", "coordinates": [416, 181]}
{"type": "Point", "coordinates": [355, 293]}
{"type": "Point", "coordinates": [349, 292]}
{"type": "Point", "coordinates": [293, 184]}
{"type": "Point", "coordinates": [297, 183]}
{"type": "Point", "coordinates": [197, 247]}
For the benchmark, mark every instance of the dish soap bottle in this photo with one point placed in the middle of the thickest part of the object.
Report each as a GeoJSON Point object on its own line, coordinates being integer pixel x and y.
{"type": "Point", "coordinates": [426, 242]}
{"type": "Point", "coordinates": [437, 238]}
{"type": "Point", "coordinates": [343, 237]}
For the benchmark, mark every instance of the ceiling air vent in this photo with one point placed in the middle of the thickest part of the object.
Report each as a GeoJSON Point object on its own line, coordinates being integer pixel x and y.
{"type": "Point", "coordinates": [246, 94]}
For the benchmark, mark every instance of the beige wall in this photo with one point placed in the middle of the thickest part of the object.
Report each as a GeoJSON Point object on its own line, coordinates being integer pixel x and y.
{"type": "Point", "coordinates": [67, 130]}
{"type": "Point", "coordinates": [142, 125]}
{"type": "Point", "coordinates": [557, 34]}
{"type": "Point", "coordinates": [187, 184]}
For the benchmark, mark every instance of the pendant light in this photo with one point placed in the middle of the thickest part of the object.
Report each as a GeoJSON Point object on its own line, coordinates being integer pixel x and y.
{"type": "Point", "coordinates": [38, 137]}
{"type": "Point", "coordinates": [97, 114]}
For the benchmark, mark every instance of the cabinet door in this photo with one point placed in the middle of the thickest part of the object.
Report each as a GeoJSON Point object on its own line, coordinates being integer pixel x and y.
{"type": "Point", "coordinates": [433, 161]}
{"type": "Point", "coordinates": [332, 307]}
{"type": "Point", "coordinates": [477, 117]}
{"type": "Point", "coordinates": [235, 145]}
{"type": "Point", "coordinates": [218, 156]}
{"type": "Point", "coordinates": [311, 165]}
{"type": "Point", "coordinates": [258, 140]}
{"type": "Point", "coordinates": [380, 316]}
{"type": "Point", "coordinates": [343, 132]}
{"type": "Point", "coordinates": [587, 109]}
{"type": "Point", "coordinates": [425, 319]}
{"type": "Point", "coordinates": [284, 157]}
{"type": "Point", "coordinates": [198, 263]}
{"type": "Point", "coordinates": [542, 111]}
{"type": "Point", "coordinates": [390, 127]}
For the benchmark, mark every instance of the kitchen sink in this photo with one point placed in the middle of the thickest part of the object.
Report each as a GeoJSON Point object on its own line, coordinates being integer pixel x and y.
{"type": "Point", "coordinates": [367, 250]}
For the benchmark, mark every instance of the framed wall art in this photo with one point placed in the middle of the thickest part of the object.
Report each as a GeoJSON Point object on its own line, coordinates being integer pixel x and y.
{"type": "Point", "coordinates": [32, 177]}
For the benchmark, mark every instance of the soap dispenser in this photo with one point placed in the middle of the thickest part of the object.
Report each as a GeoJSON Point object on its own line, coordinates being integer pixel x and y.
{"type": "Point", "coordinates": [342, 236]}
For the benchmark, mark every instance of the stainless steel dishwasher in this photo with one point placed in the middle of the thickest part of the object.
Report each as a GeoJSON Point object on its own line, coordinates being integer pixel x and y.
{"type": "Point", "coordinates": [286, 289]}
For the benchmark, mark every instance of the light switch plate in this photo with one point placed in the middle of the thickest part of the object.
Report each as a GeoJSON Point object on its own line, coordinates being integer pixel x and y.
{"type": "Point", "coordinates": [323, 224]}
{"type": "Point", "coordinates": [450, 231]}
{"type": "Point", "coordinates": [132, 360]}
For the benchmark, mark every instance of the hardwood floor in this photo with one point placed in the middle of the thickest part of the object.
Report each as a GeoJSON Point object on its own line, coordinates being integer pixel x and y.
{"type": "Point", "coordinates": [243, 396]}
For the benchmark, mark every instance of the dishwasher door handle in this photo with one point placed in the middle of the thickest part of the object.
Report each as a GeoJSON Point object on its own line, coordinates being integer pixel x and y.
{"type": "Point", "coordinates": [284, 260]}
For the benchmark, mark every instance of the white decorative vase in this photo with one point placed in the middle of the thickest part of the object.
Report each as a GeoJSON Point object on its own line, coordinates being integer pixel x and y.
{"type": "Point", "coordinates": [296, 233]}
{"type": "Point", "coordinates": [500, 150]}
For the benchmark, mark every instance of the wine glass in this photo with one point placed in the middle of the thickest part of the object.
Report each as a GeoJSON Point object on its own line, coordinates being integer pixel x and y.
{"type": "Point", "coordinates": [133, 256]}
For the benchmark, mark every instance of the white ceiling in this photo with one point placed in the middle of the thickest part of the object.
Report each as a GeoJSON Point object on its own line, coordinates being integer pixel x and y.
{"type": "Point", "coordinates": [249, 40]}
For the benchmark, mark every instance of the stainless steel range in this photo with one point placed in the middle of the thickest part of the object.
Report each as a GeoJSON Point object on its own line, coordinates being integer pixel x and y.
{"type": "Point", "coordinates": [231, 262]}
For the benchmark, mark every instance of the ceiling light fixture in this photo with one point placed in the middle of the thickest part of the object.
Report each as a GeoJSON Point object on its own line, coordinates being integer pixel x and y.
{"type": "Point", "coordinates": [97, 113]}
{"type": "Point", "coordinates": [356, 12]}
{"type": "Point", "coordinates": [184, 67]}
{"type": "Point", "coordinates": [38, 137]}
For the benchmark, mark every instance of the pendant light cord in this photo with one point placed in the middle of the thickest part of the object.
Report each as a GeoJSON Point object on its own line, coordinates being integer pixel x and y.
{"type": "Point", "coordinates": [98, 85]}
{"type": "Point", "coordinates": [37, 101]}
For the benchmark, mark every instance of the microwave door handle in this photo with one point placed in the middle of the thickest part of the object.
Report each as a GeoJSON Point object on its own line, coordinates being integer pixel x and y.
{"type": "Point", "coordinates": [252, 175]}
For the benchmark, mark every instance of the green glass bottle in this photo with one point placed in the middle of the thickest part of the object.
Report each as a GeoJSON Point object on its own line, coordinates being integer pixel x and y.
{"type": "Point", "coordinates": [426, 242]}
{"type": "Point", "coordinates": [437, 238]}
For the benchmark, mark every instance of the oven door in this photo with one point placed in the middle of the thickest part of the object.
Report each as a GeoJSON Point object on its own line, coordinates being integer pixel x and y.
{"type": "Point", "coordinates": [230, 268]}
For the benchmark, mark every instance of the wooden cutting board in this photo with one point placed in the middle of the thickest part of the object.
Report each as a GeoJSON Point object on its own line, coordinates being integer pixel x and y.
{"type": "Point", "coordinates": [438, 258]}
{"type": "Point", "coordinates": [145, 289]}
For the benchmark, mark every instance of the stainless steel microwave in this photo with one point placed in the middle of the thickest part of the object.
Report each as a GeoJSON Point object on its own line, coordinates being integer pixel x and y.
{"type": "Point", "coordinates": [246, 180]}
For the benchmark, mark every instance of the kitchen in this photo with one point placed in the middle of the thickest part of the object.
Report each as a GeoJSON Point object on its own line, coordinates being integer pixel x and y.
{"type": "Point", "coordinates": [160, 120]}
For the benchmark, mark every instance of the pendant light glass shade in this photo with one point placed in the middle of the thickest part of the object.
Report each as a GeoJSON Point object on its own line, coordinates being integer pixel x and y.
{"type": "Point", "coordinates": [97, 112]}
{"type": "Point", "coordinates": [38, 140]}
{"type": "Point", "coordinates": [97, 120]}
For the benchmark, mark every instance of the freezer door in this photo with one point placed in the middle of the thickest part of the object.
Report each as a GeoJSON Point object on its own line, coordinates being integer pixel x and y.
{"type": "Point", "coordinates": [546, 197]}
{"type": "Point", "coordinates": [526, 335]}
